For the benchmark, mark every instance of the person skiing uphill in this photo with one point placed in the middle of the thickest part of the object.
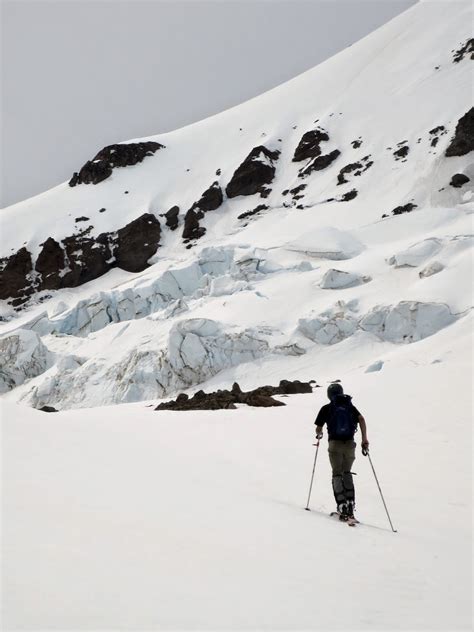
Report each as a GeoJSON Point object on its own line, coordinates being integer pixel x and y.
{"type": "Point", "coordinates": [342, 418]}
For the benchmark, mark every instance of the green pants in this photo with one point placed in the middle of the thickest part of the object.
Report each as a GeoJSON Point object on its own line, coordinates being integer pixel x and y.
{"type": "Point", "coordinates": [342, 456]}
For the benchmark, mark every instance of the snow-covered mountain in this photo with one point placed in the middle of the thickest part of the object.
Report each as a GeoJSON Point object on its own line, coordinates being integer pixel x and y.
{"type": "Point", "coordinates": [328, 220]}
{"type": "Point", "coordinates": [320, 231]}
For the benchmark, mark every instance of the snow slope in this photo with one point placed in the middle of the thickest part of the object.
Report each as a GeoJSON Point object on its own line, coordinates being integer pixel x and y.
{"type": "Point", "coordinates": [354, 265]}
{"type": "Point", "coordinates": [127, 518]}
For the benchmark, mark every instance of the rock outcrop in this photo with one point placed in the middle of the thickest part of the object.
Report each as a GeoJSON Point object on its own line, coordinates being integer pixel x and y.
{"type": "Point", "coordinates": [309, 145]}
{"type": "Point", "coordinates": [463, 141]}
{"type": "Point", "coordinates": [110, 157]}
{"type": "Point", "coordinates": [256, 171]}
{"type": "Point", "coordinates": [79, 258]}
{"type": "Point", "coordinates": [319, 163]}
{"type": "Point", "coordinates": [221, 399]}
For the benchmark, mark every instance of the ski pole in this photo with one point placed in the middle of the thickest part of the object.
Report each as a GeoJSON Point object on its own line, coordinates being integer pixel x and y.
{"type": "Point", "coordinates": [312, 475]}
{"type": "Point", "coordinates": [383, 499]}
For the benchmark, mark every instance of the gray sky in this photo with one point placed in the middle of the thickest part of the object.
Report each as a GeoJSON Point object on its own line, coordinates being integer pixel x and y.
{"type": "Point", "coordinates": [78, 74]}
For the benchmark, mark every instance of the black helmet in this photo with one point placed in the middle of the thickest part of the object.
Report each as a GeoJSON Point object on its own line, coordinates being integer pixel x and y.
{"type": "Point", "coordinates": [334, 390]}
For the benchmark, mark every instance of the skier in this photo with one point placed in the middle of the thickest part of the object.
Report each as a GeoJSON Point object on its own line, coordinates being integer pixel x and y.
{"type": "Point", "coordinates": [342, 418]}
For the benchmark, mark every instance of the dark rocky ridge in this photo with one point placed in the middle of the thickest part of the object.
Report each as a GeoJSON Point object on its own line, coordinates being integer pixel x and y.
{"type": "Point", "coordinates": [254, 173]}
{"type": "Point", "coordinates": [80, 258]}
{"type": "Point", "coordinates": [221, 399]}
{"type": "Point", "coordinates": [463, 140]}
{"type": "Point", "coordinates": [110, 157]}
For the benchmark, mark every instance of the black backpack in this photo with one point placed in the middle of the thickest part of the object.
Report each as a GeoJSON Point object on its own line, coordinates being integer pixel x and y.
{"type": "Point", "coordinates": [343, 424]}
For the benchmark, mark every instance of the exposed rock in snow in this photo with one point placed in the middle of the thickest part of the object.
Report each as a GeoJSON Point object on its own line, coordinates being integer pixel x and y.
{"type": "Point", "coordinates": [463, 50]}
{"type": "Point", "coordinates": [436, 133]}
{"type": "Point", "coordinates": [327, 243]}
{"type": "Point", "coordinates": [15, 277]}
{"type": "Point", "coordinates": [192, 229]}
{"type": "Point", "coordinates": [404, 208]}
{"type": "Point", "coordinates": [338, 279]}
{"type": "Point", "coordinates": [432, 268]}
{"type": "Point", "coordinates": [172, 217]}
{"type": "Point", "coordinates": [257, 170]}
{"type": "Point", "coordinates": [357, 168]}
{"type": "Point", "coordinates": [458, 180]}
{"type": "Point", "coordinates": [463, 141]}
{"type": "Point", "coordinates": [211, 199]}
{"type": "Point", "coordinates": [319, 163]}
{"type": "Point", "coordinates": [258, 209]}
{"type": "Point", "coordinates": [221, 399]}
{"type": "Point", "coordinates": [408, 321]}
{"type": "Point", "coordinates": [22, 356]}
{"type": "Point", "coordinates": [309, 145]}
{"type": "Point", "coordinates": [402, 152]}
{"type": "Point", "coordinates": [110, 157]}
{"type": "Point", "coordinates": [416, 254]}
{"type": "Point", "coordinates": [136, 243]}
{"type": "Point", "coordinates": [81, 258]}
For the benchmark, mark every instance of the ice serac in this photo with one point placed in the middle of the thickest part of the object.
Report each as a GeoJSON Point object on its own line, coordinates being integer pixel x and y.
{"type": "Point", "coordinates": [22, 357]}
{"type": "Point", "coordinates": [405, 322]}
{"type": "Point", "coordinates": [195, 350]}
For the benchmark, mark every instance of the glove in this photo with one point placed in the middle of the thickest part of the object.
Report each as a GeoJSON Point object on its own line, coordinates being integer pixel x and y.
{"type": "Point", "coordinates": [365, 448]}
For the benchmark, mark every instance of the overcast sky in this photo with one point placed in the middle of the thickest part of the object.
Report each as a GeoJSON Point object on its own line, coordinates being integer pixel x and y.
{"type": "Point", "coordinates": [78, 74]}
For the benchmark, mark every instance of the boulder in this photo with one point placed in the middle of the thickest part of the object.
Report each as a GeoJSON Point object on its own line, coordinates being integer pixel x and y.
{"type": "Point", "coordinates": [458, 180]}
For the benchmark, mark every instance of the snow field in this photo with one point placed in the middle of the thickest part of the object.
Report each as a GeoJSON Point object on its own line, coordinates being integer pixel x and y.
{"type": "Point", "coordinates": [126, 518]}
